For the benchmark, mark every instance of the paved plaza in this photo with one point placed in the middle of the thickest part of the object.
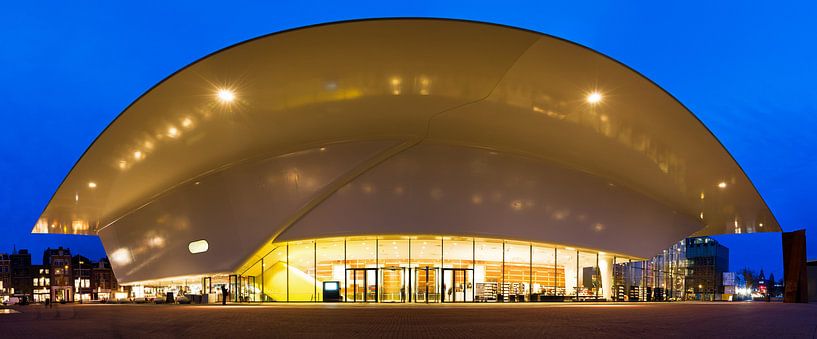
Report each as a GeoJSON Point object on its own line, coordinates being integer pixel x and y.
{"type": "Point", "coordinates": [452, 321]}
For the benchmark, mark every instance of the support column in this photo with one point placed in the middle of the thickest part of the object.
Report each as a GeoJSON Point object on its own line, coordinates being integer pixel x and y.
{"type": "Point", "coordinates": [794, 267]}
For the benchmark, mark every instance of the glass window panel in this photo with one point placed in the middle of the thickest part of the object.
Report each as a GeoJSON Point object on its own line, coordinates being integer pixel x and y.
{"type": "Point", "coordinates": [488, 269]}
{"type": "Point", "coordinates": [302, 286]}
{"type": "Point", "coordinates": [458, 253]}
{"type": "Point", "coordinates": [636, 280]}
{"type": "Point", "coordinates": [517, 271]}
{"type": "Point", "coordinates": [566, 277]}
{"type": "Point", "coordinates": [621, 284]}
{"type": "Point", "coordinates": [393, 252]}
{"type": "Point", "coordinates": [275, 275]}
{"type": "Point", "coordinates": [588, 275]}
{"type": "Point", "coordinates": [252, 279]}
{"type": "Point", "coordinates": [361, 252]}
{"type": "Point", "coordinates": [361, 285]}
{"type": "Point", "coordinates": [426, 252]}
{"type": "Point", "coordinates": [544, 271]}
{"type": "Point", "coordinates": [330, 264]}
{"type": "Point", "coordinates": [650, 278]}
{"type": "Point", "coordinates": [606, 276]}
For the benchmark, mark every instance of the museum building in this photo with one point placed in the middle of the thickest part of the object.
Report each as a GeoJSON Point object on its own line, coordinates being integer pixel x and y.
{"type": "Point", "coordinates": [403, 160]}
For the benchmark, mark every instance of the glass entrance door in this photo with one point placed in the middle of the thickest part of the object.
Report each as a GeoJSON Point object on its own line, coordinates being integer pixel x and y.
{"type": "Point", "coordinates": [362, 283]}
{"type": "Point", "coordinates": [393, 286]}
{"type": "Point", "coordinates": [458, 285]}
{"type": "Point", "coordinates": [425, 284]}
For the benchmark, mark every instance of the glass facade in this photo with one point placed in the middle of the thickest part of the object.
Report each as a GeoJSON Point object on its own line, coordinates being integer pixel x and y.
{"type": "Point", "coordinates": [432, 269]}
{"type": "Point", "coordinates": [660, 278]}
{"type": "Point", "coordinates": [440, 269]}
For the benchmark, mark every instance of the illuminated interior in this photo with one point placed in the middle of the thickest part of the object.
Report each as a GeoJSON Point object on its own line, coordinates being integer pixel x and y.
{"type": "Point", "coordinates": [429, 269]}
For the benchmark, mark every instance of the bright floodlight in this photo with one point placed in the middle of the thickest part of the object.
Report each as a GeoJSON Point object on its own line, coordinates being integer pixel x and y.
{"type": "Point", "coordinates": [91, 184]}
{"type": "Point", "coordinates": [722, 184]}
{"type": "Point", "coordinates": [225, 95]}
{"type": "Point", "coordinates": [594, 97]}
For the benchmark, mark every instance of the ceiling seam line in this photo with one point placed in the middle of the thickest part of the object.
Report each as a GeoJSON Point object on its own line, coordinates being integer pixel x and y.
{"type": "Point", "coordinates": [490, 92]}
{"type": "Point", "coordinates": [334, 186]}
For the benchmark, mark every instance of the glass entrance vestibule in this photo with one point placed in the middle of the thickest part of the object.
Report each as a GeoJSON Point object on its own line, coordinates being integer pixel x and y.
{"type": "Point", "coordinates": [432, 269]}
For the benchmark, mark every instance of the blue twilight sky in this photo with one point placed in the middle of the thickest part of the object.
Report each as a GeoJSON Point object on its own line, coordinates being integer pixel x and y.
{"type": "Point", "coordinates": [746, 69]}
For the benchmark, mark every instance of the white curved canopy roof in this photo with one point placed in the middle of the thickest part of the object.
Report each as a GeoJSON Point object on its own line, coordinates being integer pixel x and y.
{"type": "Point", "coordinates": [394, 103]}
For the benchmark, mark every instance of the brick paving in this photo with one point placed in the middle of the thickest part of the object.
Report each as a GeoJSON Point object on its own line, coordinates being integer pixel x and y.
{"type": "Point", "coordinates": [451, 321]}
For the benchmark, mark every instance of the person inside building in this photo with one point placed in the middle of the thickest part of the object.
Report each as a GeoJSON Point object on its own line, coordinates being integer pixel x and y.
{"type": "Point", "coordinates": [223, 294]}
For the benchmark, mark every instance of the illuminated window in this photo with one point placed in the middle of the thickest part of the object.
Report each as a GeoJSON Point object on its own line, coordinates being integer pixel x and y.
{"type": "Point", "coordinates": [544, 271]}
{"type": "Point", "coordinates": [516, 271]}
{"type": "Point", "coordinates": [301, 268]}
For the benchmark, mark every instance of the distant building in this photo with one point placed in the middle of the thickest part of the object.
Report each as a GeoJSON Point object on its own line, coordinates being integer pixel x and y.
{"type": "Point", "coordinates": [707, 260]}
{"type": "Point", "coordinates": [61, 277]}
{"type": "Point", "coordinates": [775, 287]}
{"type": "Point", "coordinates": [5, 276]}
{"type": "Point", "coordinates": [812, 280]}
{"type": "Point", "coordinates": [103, 281]}
{"type": "Point", "coordinates": [21, 274]}
{"type": "Point", "coordinates": [42, 282]}
{"type": "Point", "coordinates": [81, 268]}
{"type": "Point", "coordinates": [729, 285]}
{"type": "Point", "coordinates": [762, 284]}
{"type": "Point", "coordinates": [58, 261]}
